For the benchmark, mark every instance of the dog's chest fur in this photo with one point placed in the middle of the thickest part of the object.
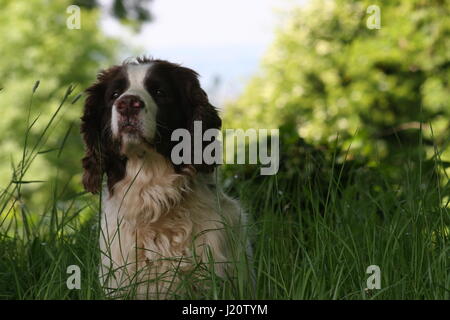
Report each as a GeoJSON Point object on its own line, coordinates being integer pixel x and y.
{"type": "Point", "coordinates": [156, 220]}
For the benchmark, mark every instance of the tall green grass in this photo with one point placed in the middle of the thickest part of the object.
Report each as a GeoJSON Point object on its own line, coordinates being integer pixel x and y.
{"type": "Point", "coordinates": [308, 244]}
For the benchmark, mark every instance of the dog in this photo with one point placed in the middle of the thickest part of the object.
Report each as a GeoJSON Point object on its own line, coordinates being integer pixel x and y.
{"type": "Point", "coordinates": [159, 219]}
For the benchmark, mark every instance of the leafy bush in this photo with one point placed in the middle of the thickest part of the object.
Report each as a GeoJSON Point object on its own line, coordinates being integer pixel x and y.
{"type": "Point", "coordinates": [382, 92]}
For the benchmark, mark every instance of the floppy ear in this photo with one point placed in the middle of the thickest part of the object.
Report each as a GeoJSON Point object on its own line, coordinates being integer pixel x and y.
{"type": "Point", "coordinates": [200, 110]}
{"type": "Point", "coordinates": [95, 130]}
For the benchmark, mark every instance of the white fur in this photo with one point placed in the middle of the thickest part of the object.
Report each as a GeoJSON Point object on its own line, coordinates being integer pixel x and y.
{"type": "Point", "coordinates": [158, 224]}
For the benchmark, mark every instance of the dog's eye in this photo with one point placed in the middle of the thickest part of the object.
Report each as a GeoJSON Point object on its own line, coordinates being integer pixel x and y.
{"type": "Point", "coordinates": [115, 95]}
{"type": "Point", "coordinates": [159, 93]}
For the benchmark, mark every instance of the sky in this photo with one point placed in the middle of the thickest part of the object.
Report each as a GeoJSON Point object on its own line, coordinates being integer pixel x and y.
{"type": "Point", "coordinates": [223, 41]}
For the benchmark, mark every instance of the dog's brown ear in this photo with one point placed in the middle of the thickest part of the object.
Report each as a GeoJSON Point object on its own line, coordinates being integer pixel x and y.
{"type": "Point", "coordinates": [200, 110]}
{"type": "Point", "coordinates": [94, 130]}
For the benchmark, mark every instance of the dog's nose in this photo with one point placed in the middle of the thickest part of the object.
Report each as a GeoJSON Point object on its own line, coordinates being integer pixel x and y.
{"type": "Point", "coordinates": [129, 105]}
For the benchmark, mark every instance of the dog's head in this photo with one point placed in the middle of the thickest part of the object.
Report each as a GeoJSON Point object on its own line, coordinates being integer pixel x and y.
{"type": "Point", "coordinates": [135, 107]}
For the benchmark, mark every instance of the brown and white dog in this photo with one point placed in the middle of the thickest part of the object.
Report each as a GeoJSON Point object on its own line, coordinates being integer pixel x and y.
{"type": "Point", "coordinates": [158, 219]}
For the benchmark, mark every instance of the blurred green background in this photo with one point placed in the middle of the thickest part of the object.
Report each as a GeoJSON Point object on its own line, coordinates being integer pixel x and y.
{"type": "Point", "coordinates": [379, 92]}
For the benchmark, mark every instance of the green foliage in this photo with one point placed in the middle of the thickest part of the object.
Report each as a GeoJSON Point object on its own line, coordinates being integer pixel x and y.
{"type": "Point", "coordinates": [380, 91]}
{"type": "Point", "coordinates": [131, 12]}
{"type": "Point", "coordinates": [36, 44]}
{"type": "Point", "coordinates": [364, 119]}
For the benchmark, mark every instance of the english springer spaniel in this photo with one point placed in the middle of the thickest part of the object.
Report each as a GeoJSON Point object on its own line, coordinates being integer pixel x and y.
{"type": "Point", "coordinates": [159, 220]}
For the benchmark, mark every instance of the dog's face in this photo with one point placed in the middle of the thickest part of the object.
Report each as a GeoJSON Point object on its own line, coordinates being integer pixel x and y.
{"type": "Point", "coordinates": [144, 99]}
{"type": "Point", "coordinates": [132, 96]}
{"type": "Point", "coordinates": [136, 107]}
